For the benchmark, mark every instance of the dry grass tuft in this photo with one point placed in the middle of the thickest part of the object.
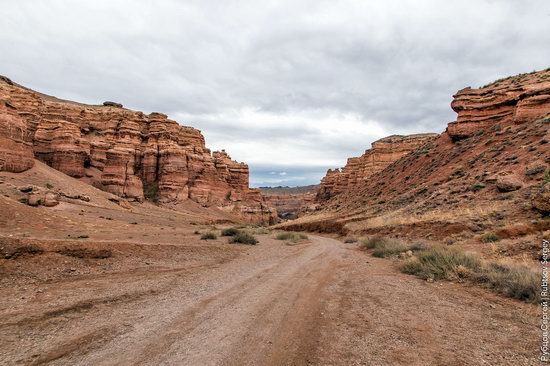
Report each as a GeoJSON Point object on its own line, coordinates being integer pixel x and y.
{"type": "Point", "coordinates": [517, 281]}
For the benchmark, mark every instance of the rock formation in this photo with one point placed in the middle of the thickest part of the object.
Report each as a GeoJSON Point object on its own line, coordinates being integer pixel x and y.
{"type": "Point", "coordinates": [517, 99]}
{"type": "Point", "coordinates": [15, 147]}
{"type": "Point", "coordinates": [488, 170]}
{"type": "Point", "coordinates": [382, 153]}
{"type": "Point", "coordinates": [128, 153]}
{"type": "Point", "coordinates": [290, 205]}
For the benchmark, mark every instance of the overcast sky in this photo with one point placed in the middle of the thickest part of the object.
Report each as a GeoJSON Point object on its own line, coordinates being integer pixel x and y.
{"type": "Point", "coordinates": [289, 87]}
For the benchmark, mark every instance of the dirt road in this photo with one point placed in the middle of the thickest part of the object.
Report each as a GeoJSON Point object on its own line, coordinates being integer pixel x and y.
{"type": "Point", "coordinates": [321, 303]}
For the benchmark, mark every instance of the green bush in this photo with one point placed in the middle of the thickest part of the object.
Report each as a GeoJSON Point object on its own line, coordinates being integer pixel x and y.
{"type": "Point", "coordinates": [243, 238]}
{"type": "Point", "coordinates": [209, 236]}
{"type": "Point", "coordinates": [547, 175]}
{"type": "Point", "coordinates": [489, 238]}
{"type": "Point", "coordinates": [477, 186]}
{"type": "Point", "coordinates": [440, 263]}
{"type": "Point", "coordinates": [230, 231]}
{"type": "Point", "coordinates": [151, 191]}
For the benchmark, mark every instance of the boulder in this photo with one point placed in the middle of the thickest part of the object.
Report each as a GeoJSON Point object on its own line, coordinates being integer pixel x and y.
{"type": "Point", "coordinates": [509, 183]}
{"type": "Point", "coordinates": [50, 200]}
{"type": "Point", "coordinates": [112, 104]}
{"type": "Point", "coordinates": [34, 200]}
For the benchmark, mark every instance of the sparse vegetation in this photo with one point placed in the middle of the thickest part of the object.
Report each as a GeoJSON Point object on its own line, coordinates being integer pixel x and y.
{"type": "Point", "coordinates": [243, 238]}
{"type": "Point", "coordinates": [350, 240]}
{"type": "Point", "coordinates": [383, 247]}
{"type": "Point", "coordinates": [372, 242]}
{"type": "Point", "coordinates": [49, 185]}
{"type": "Point", "coordinates": [291, 236]}
{"type": "Point", "coordinates": [477, 186]}
{"type": "Point", "coordinates": [441, 263]}
{"type": "Point", "coordinates": [490, 238]}
{"type": "Point", "coordinates": [457, 173]}
{"type": "Point", "coordinates": [546, 177]}
{"type": "Point", "coordinates": [231, 231]}
{"type": "Point", "coordinates": [209, 236]}
{"type": "Point", "coordinates": [151, 191]}
{"type": "Point", "coordinates": [515, 281]}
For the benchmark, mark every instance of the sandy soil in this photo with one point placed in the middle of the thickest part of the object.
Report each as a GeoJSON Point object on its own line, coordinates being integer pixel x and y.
{"type": "Point", "coordinates": [319, 303]}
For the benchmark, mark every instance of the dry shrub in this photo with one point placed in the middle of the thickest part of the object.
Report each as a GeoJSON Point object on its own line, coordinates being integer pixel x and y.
{"type": "Point", "coordinates": [209, 236]}
{"type": "Point", "coordinates": [291, 236]}
{"type": "Point", "coordinates": [440, 263]}
{"type": "Point", "coordinates": [232, 231]}
{"type": "Point", "coordinates": [512, 280]}
{"type": "Point", "coordinates": [517, 281]}
{"type": "Point", "coordinates": [243, 238]}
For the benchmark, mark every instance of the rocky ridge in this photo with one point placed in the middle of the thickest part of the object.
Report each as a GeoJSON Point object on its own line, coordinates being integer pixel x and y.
{"type": "Point", "coordinates": [128, 153]}
{"type": "Point", "coordinates": [488, 173]}
{"type": "Point", "coordinates": [357, 170]}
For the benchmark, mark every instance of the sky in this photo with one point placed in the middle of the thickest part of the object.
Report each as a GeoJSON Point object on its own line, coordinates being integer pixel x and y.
{"type": "Point", "coordinates": [292, 88]}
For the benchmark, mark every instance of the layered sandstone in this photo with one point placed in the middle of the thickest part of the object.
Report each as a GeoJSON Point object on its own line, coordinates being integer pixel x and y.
{"type": "Point", "coordinates": [358, 169]}
{"type": "Point", "coordinates": [137, 155]}
{"type": "Point", "coordinates": [489, 170]}
{"type": "Point", "coordinates": [290, 205]}
{"type": "Point", "coordinates": [15, 147]}
{"type": "Point", "coordinates": [517, 99]}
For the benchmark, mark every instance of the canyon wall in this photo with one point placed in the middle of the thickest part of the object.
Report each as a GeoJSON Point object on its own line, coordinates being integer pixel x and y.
{"type": "Point", "coordinates": [289, 206]}
{"type": "Point", "coordinates": [128, 153]}
{"type": "Point", "coordinates": [488, 172]}
{"type": "Point", "coordinates": [382, 153]}
{"type": "Point", "coordinates": [518, 99]}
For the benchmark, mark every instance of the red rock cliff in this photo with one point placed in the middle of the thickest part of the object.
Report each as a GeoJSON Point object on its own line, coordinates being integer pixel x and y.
{"type": "Point", "coordinates": [125, 152]}
{"type": "Point", "coordinates": [357, 170]}
{"type": "Point", "coordinates": [516, 99]}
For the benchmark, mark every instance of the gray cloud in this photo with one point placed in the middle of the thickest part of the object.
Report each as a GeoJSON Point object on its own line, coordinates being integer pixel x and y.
{"type": "Point", "coordinates": [283, 85]}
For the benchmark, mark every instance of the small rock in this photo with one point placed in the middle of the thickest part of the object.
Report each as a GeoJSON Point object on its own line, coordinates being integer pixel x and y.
{"type": "Point", "coordinates": [34, 200]}
{"type": "Point", "coordinates": [26, 189]}
{"type": "Point", "coordinates": [50, 200]}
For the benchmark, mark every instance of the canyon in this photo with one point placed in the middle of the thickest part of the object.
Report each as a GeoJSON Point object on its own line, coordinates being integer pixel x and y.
{"type": "Point", "coordinates": [127, 153]}
{"type": "Point", "coordinates": [486, 174]}
{"type": "Point", "coordinates": [113, 246]}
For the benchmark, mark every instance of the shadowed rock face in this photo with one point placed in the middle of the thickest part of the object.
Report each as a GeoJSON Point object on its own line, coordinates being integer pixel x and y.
{"type": "Point", "coordinates": [125, 152]}
{"type": "Point", "coordinates": [383, 152]}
